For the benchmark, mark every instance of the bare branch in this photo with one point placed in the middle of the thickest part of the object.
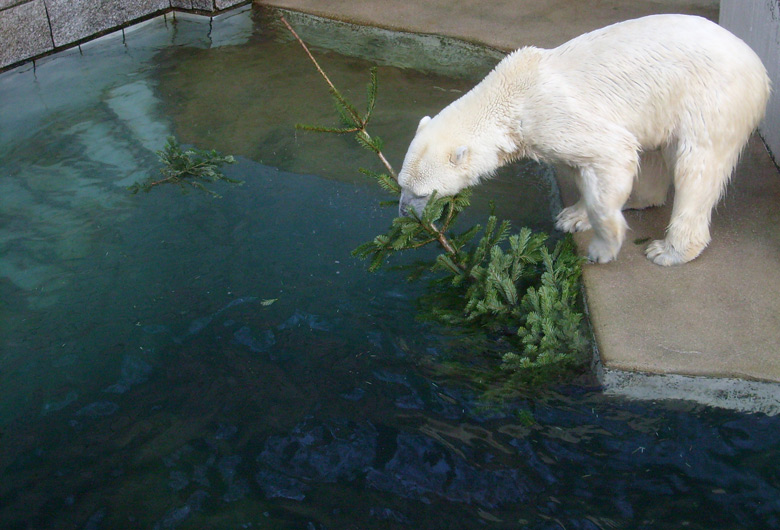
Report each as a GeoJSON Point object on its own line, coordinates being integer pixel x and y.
{"type": "Point", "coordinates": [356, 117]}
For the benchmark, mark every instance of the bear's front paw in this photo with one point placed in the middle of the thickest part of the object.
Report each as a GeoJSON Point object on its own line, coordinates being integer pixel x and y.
{"type": "Point", "coordinates": [601, 251]}
{"type": "Point", "coordinates": [573, 219]}
{"type": "Point", "coordinates": [661, 252]}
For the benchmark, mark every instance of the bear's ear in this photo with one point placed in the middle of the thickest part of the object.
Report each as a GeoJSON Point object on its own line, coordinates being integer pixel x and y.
{"type": "Point", "coordinates": [423, 122]}
{"type": "Point", "coordinates": [460, 154]}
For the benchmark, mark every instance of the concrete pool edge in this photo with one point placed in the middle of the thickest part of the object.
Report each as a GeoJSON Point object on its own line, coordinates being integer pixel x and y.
{"type": "Point", "coordinates": [728, 393]}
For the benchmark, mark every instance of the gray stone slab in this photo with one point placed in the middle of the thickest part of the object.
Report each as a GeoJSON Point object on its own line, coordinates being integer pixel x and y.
{"type": "Point", "coordinates": [72, 21]}
{"type": "Point", "coordinates": [5, 4]}
{"type": "Point", "coordinates": [205, 5]}
{"type": "Point", "coordinates": [24, 32]}
{"type": "Point", "coordinates": [225, 4]}
{"type": "Point", "coordinates": [200, 5]}
{"type": "Point", "coordinates": [134, 10]}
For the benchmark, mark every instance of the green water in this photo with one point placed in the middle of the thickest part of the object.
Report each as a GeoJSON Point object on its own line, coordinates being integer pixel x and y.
{"type": "Point", "coordinates": [146, 381]}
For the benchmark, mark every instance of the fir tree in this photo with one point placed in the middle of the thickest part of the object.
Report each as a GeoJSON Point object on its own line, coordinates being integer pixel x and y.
{"type": "Point", "coordinates": [508, 285]}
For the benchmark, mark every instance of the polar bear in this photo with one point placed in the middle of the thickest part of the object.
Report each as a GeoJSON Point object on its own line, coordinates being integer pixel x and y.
{"type": "Point", "coordinates": [677, 92]}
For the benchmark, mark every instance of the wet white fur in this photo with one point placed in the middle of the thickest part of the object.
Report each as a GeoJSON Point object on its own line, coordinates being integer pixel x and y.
{"type": "Point", "coordinates": [680, 91]}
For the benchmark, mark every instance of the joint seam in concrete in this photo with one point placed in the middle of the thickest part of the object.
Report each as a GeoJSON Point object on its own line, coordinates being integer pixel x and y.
{"type": "Point", "coordinates": [16, 4]}
{"type": "Point", "coordinates": [48, 22]}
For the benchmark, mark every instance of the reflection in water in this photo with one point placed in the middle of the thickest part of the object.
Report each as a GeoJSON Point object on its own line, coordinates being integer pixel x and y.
{"type": "Point", "coordinates": [146, 382]}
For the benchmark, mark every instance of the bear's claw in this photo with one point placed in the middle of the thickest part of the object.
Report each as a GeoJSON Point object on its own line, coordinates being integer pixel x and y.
{"type": "Point", "coordinates": [573, 219]}
{"type": "Point", "coordinates": [663, 253]}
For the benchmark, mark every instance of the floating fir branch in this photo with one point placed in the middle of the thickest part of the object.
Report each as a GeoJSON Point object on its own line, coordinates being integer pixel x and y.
{"type": "Point", "coordinates": [510, 285]}
{"type": "Point", "coordinates": [190, 168]}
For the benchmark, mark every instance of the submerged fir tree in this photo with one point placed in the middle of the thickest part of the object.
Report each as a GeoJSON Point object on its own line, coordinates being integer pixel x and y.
{"type": "Point", "coordinates": [190, 168]}
{"type": "Point", "coordinates": [509, 286]}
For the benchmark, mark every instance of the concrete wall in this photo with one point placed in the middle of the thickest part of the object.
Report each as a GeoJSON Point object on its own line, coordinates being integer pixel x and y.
{"type": "Point", "coordinates": [30, 28]}
{"type": "Point", "coordinates": [757, 22]}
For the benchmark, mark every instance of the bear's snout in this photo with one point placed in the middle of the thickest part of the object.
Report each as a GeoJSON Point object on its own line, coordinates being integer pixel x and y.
{"type": "Point", "coordinates": [411, 204]}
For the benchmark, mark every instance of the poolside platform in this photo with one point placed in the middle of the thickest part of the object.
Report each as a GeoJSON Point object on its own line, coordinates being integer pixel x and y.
{"type": "Point", "coordinates": [708, 330]}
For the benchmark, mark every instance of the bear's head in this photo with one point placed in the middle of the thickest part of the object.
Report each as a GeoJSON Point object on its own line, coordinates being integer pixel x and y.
{"type": "Point", "coordinates": [436, 161]}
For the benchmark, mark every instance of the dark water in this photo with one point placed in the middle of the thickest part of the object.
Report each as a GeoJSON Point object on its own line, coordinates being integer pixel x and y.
{"type": "Point", "coordinates": [176, 361]}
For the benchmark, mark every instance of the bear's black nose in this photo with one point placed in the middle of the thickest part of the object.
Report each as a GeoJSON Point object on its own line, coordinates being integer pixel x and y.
{"type": "Point", "coordinates": [411, 204]}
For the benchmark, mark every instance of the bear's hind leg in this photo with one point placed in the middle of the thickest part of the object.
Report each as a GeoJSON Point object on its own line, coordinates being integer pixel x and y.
{"type": "Point", "coordinates": [652, 185]}
{"type": "Point", "coordinates": [701, 175]}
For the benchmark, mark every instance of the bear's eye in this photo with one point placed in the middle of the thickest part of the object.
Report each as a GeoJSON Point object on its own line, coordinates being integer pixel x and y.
{"type": "Point", "coordinates": [459, 155]}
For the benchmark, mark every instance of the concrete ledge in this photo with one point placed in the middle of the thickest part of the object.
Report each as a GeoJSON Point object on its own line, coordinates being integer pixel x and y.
{"type": "Point", "coordinates": [733, 394]}
{"type": "Point", "coordinates": [506, 25]}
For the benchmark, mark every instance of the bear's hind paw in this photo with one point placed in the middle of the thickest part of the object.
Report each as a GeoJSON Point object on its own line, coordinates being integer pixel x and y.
{"type": "Point", "coordinates": [661, 252]}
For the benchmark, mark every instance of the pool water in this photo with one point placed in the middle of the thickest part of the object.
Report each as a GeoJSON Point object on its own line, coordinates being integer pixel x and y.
{"type": "Point", "coordinates": [179, 361]}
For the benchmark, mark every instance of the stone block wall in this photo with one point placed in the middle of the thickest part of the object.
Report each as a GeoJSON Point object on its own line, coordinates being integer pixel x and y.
{"type": "Point", "coordinates": [31, 28]}
{"type": "Point", "coordinates": [24, 31]}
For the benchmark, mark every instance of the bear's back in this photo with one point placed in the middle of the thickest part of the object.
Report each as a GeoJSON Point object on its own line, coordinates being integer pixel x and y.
{"type": "Point", "coordinates": [648, 73]}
